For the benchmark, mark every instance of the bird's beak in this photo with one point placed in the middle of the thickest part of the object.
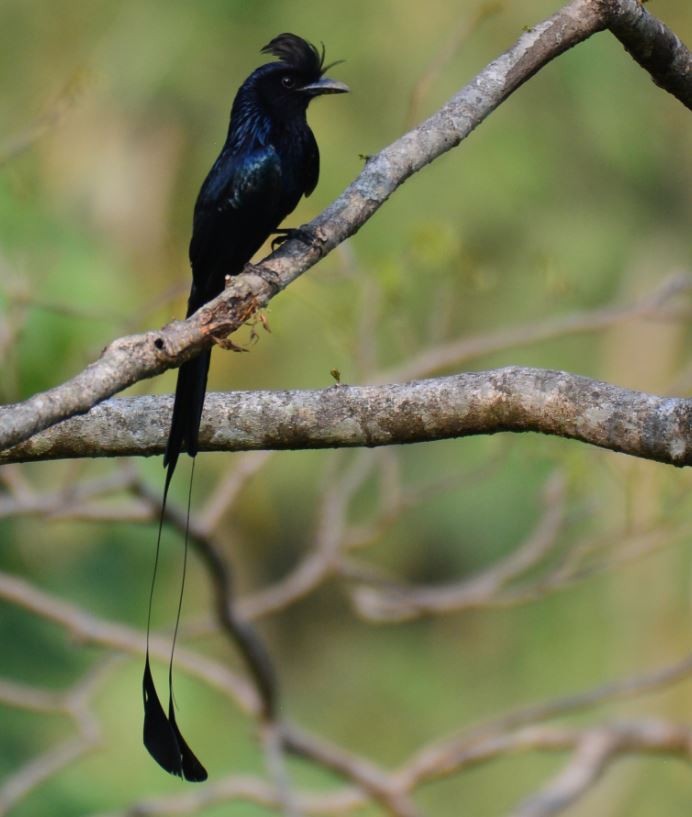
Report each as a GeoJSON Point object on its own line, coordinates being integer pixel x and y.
{"type": "Point", "coordinates": [325, 85]}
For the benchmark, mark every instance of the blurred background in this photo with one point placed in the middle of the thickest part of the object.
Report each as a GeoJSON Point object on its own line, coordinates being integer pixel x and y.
{"type": "Point", "coordinates": [573, 198]}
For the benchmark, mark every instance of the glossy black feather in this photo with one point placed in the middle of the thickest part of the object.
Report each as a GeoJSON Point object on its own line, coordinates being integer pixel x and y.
{"type": "Point", "coordinates": [159, 737]}
{"type": "Point", "coordinates": [296, 52]}
{"type": "Point", "coordinates": [162, 737]}
{"type": "Point", "coordinates": [269, 160]}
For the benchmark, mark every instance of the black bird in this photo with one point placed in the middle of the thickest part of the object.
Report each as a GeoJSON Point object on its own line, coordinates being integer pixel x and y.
{"type": "Point", "coordinates": [269, 160]}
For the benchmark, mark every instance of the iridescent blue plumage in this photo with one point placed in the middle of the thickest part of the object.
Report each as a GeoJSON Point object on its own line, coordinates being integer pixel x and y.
{"type": "Point", "coordinates": [269, 160]}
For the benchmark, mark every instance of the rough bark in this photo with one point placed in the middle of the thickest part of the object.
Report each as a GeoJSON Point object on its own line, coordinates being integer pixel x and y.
{"type": "Point", "coordinates": [654, 46]}
{"type": "Point", "coordinates": [508, 399]}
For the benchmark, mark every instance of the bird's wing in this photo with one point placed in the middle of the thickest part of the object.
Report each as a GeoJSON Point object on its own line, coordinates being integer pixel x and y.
{"type": "Point", "coordinates": [312, 164]}
{"type": "Point", "coordinates": [240, 188]}
{"type": "Point", "coordinates": [236, 179]}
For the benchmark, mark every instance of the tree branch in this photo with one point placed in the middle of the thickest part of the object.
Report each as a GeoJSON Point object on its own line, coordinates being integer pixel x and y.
{"type": "Point", "coordinates": [447, 756]}
{"type": "Point", "coordinates": [669, 301]}
{"type": "Point", "coordinates": [509, 399]}
{"type": "Point", "coordinates": [592, 752]}
{"type": "Point", "coordinates": [653, 46]}
{"type": "Point", "coordinates": [76, 703]}
{"type": "Point", "coordinates": [91, 629]}
{"type": "Point", "coordinates": [395, 602]}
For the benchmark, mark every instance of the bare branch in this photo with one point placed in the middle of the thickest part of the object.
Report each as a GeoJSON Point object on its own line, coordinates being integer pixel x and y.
{"type": "Point", "coordinates": [510, 399]}
{"type": "Point", "coordinates": [399, 603]}
{"type": "Point", "coordinates": [593, 750]}
{"type": "Point", "coordinates": [76, 703]}
{"type": "Point", "coordinates": [241, 788]}
{"type": "Point", "coordinates": [444, 757]}
{"type": "Point", "coordinates": [322, 559]}
{"type": "Point", "coordinates": [633, 545]}
{"type": "Point", "coordinates": [275, 763]}
{"type": "Point", "coordinates": [445, 53]}
{"type": "Point", "coordinates": [12, 146]}
{"type": "Point", "coordinates": [63, 502]}
{"type": "Point", "coordinates": [40, 768]}
{"type": "Point", "coordinates": [592, 753]}
{"type": "Point", "coordinates": [226, 493]}
{"type": "Point", "coordinates": [370, 778]}
{"type": "Point", "coordinates": [653, 46]}
{"type": "Point", "coordinates": [90, 629]}
{"type": "Point", "coordinates": [455, 353]}
{"type": "Point", "coordinates": [22, 696]}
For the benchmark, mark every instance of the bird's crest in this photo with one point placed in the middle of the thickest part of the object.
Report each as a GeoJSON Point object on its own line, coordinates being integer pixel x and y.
{"type": "Point", "coordinates": [299, 54]}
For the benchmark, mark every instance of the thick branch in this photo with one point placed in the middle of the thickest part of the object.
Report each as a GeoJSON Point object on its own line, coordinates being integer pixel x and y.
{"type": "Point", "coordinates": [653, 46]}
{"type": "Point", "coordinates": [509, 399]}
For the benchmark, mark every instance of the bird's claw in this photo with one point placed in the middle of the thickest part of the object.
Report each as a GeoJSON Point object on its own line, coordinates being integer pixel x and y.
{"type": "Point", "coordinates": [303, 234]}
{"type": "Point", "coordinates": [253, 269]}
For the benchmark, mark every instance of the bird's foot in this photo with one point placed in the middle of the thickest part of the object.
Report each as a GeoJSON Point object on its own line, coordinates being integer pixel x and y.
{"type": "Point", "coordinates": [303, 234]}
{"type": "Point", "coordinates": [253, 269]}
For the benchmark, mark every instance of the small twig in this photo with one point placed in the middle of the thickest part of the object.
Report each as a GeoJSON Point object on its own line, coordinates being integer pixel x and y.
{"type": "Point", "coordinates": [76, 703]}
{"type": "Point", "coordinates": [243, 788]}
{"type": "Point", "coordinates": [442, 757]}
{"type": "Point", "coordinates": [445, 54]}
{"type": "Point", "coordinates": [391, 508]}
{"type": "Point", "coordinates": [399, 603]}
{"type": "Point", "coordinates": [18, 785]}
{"type": "Point", "coordinates": [234, 624]}
{"type": "Point", "coordinates": [633, 546]}
{"type": "Point", "coordinates": [592, 751]}
{"type": "Point", "coordinates": [275, 761]}
{"type": "Point", "coordinates": [22, 696]}
{"type": "Point", "coordinates": [370, 778]}
{"type": "Point", "coordinates": [322, 558]}
{"type": "Point", "coordinates": [456, 353]}
{"type": "Point", "coordinates": [65, 502]}
{"type": "Point", "coordinates": [91, 629]}
{"type": "Point", "coordinates": [224, 496]}
{"type": "Point", "coordinates": [13, 146]}
{"type": "Point", "coordinates": [588, 761]}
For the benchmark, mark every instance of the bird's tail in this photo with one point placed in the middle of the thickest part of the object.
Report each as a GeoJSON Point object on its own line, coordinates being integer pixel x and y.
{"type": "Point", "coordinates": [187, 409]}
{"type": "Point", "coordinates": [162, 736]}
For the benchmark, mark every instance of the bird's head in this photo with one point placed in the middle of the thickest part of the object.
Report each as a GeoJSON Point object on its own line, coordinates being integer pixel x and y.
{"type": "Point", "coordinates": [288, 85]}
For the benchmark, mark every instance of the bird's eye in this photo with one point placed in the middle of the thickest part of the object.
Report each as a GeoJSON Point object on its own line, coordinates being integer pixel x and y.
{"type": "Point", "coordinates": [288, 81]}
